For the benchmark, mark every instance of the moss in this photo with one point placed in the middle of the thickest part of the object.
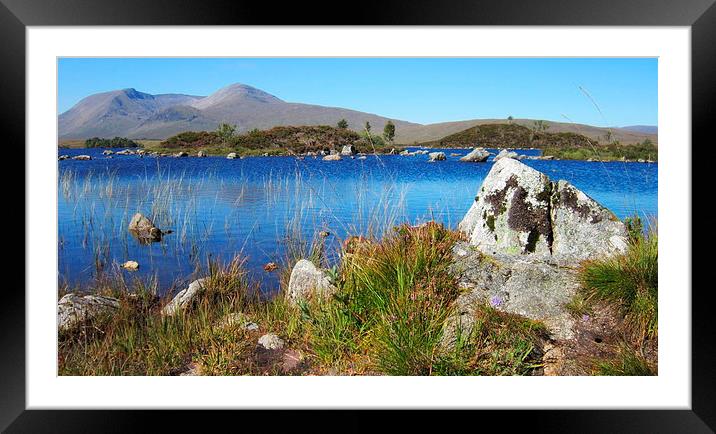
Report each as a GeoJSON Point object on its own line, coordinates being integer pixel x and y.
{"type": "Point", "coordinates": [496, 200]}
{"type": "Point", "coordinates": [491, 223]}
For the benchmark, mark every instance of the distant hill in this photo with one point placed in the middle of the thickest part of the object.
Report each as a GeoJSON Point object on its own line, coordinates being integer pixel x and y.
{"type": "Point", "coordinates": [511, 136]}
{"type": "Point", "coordinates": [432, 132]}
{"type": "Point", "coordinates": [647, 129]}
{"type": "Point", "coordinates": [138, 115]}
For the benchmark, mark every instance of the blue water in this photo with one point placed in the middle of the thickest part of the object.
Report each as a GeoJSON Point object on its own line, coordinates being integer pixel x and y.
{"type": "Point", "coordinates": [259, 206]}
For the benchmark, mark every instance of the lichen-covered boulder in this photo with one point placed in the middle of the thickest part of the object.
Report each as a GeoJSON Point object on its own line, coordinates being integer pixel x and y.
{"type": "Point", "coordinates": [307, 280]}
{"type": "Point", "coordinates": [437, 156]}
{"type": "Point", "coordinates": [73, 309]}
{"type": "Point", "coordinates": [271, 341]}
{"type": "Point", "coordinates": [581, 227]}
{"type": "Point", "coordinates": [143, 229]}
{"type": "Point", "coordinates": [511, 212]}
{"type": "Point", "coordinates": [519, 210]}
{"type": "Point", "coordinates": [183, 299]}
{"type": "Point", "coordinates": [477, 155]}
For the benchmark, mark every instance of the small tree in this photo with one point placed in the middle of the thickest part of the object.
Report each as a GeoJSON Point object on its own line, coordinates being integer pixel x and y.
{"type": "Point", "coordinates": [342, 124]}
{"type": "Point", "coordinates": [367, 126]}
{"type": "Point", "coordinates": [608, 136]}
{"type": "Point", "coordinates": [540, 126]}
{"type": "Point", "coordinates": [225, 132]}
{"type": "Point", "coordinates": [389, 132]}
{"type": "Point", "coordinates": [510, 119]}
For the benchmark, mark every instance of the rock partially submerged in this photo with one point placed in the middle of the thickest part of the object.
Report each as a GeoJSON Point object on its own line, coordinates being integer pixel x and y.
{"type": "Point", "coordinates": [348, 150]}
{"type": "Point", "coordinates": [73, 309]}
{"type": "Point", "coordinates": [307, 280]}
{"type": "Point", "coordinates": [131, 265]}
{"type": "Point", "coordinates": [332, 157]}
{"type": "Point", "coordinates": [184, 298]}
{"type": "Point", "coordinates": [437, 156]}
{"type": "Point", "coordinates": [506, 154]}
{"type": "Point", "coordinates": [201, 154]}
{"type": "Point", "coordinates": [477, 155]}
{"type": "Point", "coordinates": [143, 229]}
{"type": "Point", "coordinates": [519, 210]}
{"type": "Point", "coordinates": [231, 155]}
{"type": "Point", "coordinates": [81, 157]}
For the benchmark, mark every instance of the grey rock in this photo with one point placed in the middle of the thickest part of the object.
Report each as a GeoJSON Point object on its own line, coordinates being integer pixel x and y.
{"type": "Point", "coordinates": [63, 157]}
{"type": "Point", "coordinates": [306, 281]}
{"type": "Point", "coordinates": [534, 287]}
{"type": "Point", "coordinates": [477, 155]}
{"type": "Point", "coordinates": [581, 227]}
{"type": "Point", "coordinates": [82, 157]}
{"type": "Point", "coordinates": [511, 211]}
{"type": "Point", "coordinates": [348, 150]}
{"type": "Point", "coordinates": [437, 156]}
{"type": "Point", "coordinates": [73, 308]}
{"type": "Point", "coordinates": [181, 154]}
{"type": "Point", "coordinates": [518, 210]}
{"type": "Point", "coordinates": [201, 154]}
{"type": "Point", "coordinates": [271, 342]}
{"type": "Point", "coordinates": [143, 229]}
{"type": "Point", "coordinates": [231, 155]}
{"type": "Point", "coordinates": [183, 299]}
{"type": "Point", "coordinates": [107, 152]}
{"type": "Point", "coordinates": [505, 154]}
{"type": "Point", "coordinates": [332, 157]}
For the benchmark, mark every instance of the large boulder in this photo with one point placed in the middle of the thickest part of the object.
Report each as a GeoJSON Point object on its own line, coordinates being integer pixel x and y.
{"type": "Point", "coordinates": [534, 287]}
{"type": "Point", "coordinates": [511, 213]}
{"type": "Point", "coordinates": [307, 280]}
{"type": "Point", "coordinates": [581, 227]}
{"type": "Point", "coordinates": [437, 156]}
{"type": "Point", "coordinates": [73, 309]}
{"type": "Point", "coordinates": [184, 298]}
{"type": "Point", "coordinates": [477, 155]}
{"type": "Point", "coordinates": [519, 210]}
{"type": "Point", "coordinates": [143, 229]}
{"type": "Point", "coordinates": [348, 150]}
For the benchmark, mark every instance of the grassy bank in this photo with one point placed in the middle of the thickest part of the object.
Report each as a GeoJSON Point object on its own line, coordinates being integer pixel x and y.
{"type": "Point", "coordinates": [645, 151]}
{"type": "Point", "coordinates": [627, 284]}
{"type": "Point", "coordinates": [393, 298]}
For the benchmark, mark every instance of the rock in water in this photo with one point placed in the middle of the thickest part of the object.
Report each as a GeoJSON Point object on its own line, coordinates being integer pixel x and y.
{"type": "Point", "coordinates": [73, 309]}
{"type": "Point", "coordinates": [348, 150]}
{"type": "Point", "coordinates": [182, 300]}
{"type": "Point", "coordinates": [332, 157]}
{"type": "Point", "coordinates": [505, 154]}
{"type": "Point", "coordinates": [201, 154]}
{"type": "Point", "coordinates": [231, 155]}
{"type": "Point", "coordinates": [81, 157]}
{"type": "Point", "coordinates": [437, 156]}
{"type": "Point", "coordinates": [143, 228]}
{"type": "Point", "coordinates": [518, 210]}
{"type": "Point", "coordinates": [307, 280]}
{"type": "Point", "coordinates": [581, 227]}
{"type": "Point", "coordinates": [477, 155]}
{"type": "Point", "coordinates": [131, 265]}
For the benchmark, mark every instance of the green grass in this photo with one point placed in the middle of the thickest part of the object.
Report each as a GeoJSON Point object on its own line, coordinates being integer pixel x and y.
{"type": "Point", "coordinates": [395, 295]}
{"type": "Point", "coordinates": [629, 280]}
{"type": "Point", "coordinates": [606, 152]}
{"type": "Point", "coordinates": [627, 363]}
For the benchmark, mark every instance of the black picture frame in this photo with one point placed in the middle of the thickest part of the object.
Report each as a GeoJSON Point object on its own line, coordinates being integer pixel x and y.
{"type": "Point", "coordinates": [16, 15]}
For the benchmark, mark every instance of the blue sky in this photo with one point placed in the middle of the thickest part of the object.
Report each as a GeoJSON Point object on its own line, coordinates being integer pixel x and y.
{"type": "Point", "coordinates": [424, 90]}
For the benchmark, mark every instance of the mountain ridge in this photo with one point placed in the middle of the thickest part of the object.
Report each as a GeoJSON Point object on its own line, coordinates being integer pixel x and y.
{"type": "Point", "coordinates": [139, 115]}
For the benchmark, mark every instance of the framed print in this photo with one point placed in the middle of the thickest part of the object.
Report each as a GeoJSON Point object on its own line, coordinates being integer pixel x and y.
{"type": "Point", "coordinates": [391, 212]}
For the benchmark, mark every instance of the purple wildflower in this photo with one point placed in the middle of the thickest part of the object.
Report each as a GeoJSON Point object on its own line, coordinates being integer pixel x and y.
{"type": "Point", "coordinates": [585, 317]}
{"type": "Point", "coordinates": [495, 301]}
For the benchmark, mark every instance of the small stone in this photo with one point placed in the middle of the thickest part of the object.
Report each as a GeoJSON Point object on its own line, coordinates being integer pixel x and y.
{"type": "Point", "coordinates": [271, 266]}
{"type": "Point", "coordinates": [271, 342]}
{"type": "Point", "coordinates": [131, 265]}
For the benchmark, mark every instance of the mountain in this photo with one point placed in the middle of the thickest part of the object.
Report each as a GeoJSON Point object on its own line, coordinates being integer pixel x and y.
{"type": "Point", "coordinates": [138, 115]}
{"type": "Point", "coordinates": [647, 129]}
